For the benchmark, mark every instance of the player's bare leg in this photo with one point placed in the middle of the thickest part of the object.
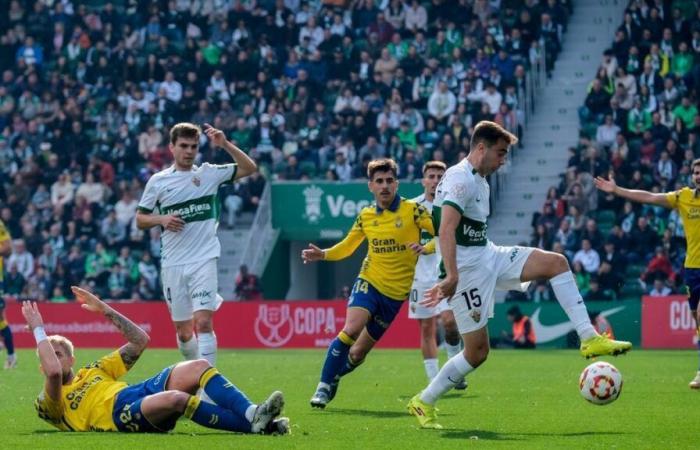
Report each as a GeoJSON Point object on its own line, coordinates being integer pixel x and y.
{"type": "Point", "coordinates": [554, 267]}
{"type": "Point", "coordinates": [337, 356]}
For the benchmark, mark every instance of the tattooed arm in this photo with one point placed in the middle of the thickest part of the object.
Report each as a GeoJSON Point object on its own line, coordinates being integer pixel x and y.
{"type": "Point", "coordinates": [138, 339]}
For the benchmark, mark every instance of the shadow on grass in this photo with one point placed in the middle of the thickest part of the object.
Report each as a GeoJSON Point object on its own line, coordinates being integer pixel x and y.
{"type": "Point", "coordinates": [368, 413]}
{"type": "Point", "coordinates": [494, 436]}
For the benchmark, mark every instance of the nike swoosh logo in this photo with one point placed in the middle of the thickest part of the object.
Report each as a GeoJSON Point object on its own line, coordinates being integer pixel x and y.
{"type": "Point", "coordinates": [548, 333]}
{"type": "Point", "coordinates": [207, 354]}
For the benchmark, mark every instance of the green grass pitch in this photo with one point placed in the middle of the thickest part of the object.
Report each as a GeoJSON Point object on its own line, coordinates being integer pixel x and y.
{"type": "Point", "coordinates": [518, 399]}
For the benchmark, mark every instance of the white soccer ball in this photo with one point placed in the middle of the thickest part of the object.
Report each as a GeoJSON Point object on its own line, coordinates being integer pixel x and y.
{"type": "Point", "coordinates": [600, 383]}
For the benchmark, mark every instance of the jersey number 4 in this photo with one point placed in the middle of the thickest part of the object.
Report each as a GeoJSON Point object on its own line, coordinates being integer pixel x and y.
{"type": "Point", "coordinates": [472, 298]}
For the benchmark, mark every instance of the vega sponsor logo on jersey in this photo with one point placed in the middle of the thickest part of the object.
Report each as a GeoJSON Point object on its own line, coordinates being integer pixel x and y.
{"type": "Point", "coordinates": [335, 205]}
{"type": "Point", "coordinates": [546, 333]}
{"type": "Point", "coordinates": [276, 325]}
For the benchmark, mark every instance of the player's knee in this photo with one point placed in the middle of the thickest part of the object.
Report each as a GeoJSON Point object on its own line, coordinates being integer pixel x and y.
{"type": "Point", "coordinates": [177, 400]}
{"type": "Point", "coordinates": [558, 264]}
{"type": "Point", "coordinates": [204, 325]}
{"type": "Point", "coordinates": [452, 336]}
{"type": "Point", "coordinates": [200, 365]}
{"type": "Point", "coordinates": [357, 356]}
{"type": "Point", "coordinates": [185, 334]}
{"type": "Point", "coordinates": [476, 356]}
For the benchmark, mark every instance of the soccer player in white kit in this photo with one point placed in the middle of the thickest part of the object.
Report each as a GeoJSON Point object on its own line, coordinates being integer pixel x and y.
{"type": "Point", "coordinates": [473, 268]}
{"type": "Point", "coordinates": [183, 200]}
{"type": "Point", "coordinates": [425, 277]}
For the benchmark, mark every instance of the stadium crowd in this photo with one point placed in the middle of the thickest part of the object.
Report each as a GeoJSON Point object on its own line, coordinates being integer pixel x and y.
{"type": "Point", "coordinates": [310, 89]}
{"type": "Point", "coordinates": [640, 122]}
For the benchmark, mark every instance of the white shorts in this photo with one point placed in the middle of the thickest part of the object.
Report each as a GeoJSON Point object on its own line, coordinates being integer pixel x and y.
{"type": "Point", "coordinates": [418, 311]}
{"type": "Point", "coordinates": [191, 287]}
{"type": "Point", "coordinates": [497, 268]}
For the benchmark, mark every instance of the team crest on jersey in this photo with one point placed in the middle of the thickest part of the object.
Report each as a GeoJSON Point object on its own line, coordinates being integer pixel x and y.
{"type": "Point", "coordinates": [196, 181]}
{"type": "Point", "coordinates": [476, 315]}
{"type": "Point", "coordinates": [399, 223]}
{"type": "Point", "coordinates": [459, 191]}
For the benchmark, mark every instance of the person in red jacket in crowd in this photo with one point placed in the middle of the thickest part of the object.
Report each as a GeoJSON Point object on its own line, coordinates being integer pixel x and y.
{"type": "Point", "coordinates": [659, 267]}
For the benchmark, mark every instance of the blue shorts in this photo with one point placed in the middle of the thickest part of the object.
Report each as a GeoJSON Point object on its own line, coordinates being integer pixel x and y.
{"type": "Point", "coordinates": [692, 281]}
{"type": "Point", "coordinates": [126, 413]}
{"type": "Point", "coordinates": [382, 309]}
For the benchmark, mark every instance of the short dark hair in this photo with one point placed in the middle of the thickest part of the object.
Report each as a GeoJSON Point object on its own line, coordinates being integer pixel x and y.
{"type": "Point", "coordinates": [489, 133]}
{"type": "Point", "coordinates": [382, 165]}
{"type": "Point", "coordinates": [184, 130]}
{"type": "Point", "coordinates": [438, 165]}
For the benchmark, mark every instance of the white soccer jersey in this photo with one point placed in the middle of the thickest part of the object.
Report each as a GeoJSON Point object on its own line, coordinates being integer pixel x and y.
{"type": "Point", "coordinates": [464, 189]}
{"type": "Point", "coordinates": [193, 196]}
{"type": "Point", "coordinates": [427, 265]}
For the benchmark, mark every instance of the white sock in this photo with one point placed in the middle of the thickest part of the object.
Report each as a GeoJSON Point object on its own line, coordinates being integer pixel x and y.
{"type": "Point", "coordinates": [431, 367]}
{"type": "Point", "coordinates": [452, 350]}
{"type": "Point", "coordinates": [250, 412]}
{"type": "Point", "coordinates": [189, 349]}
{"type": "Point", "coordinates": [207, 347]}
{"type": "Point", "coordinates": [451, 373]}
{"type": "Point", "coordinates": [569, 297]}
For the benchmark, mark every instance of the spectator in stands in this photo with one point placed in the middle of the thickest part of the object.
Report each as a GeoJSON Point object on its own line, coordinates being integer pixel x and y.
{"type": "Point", "coordinates": [595, 291]}
{"type": "Point", "coordinates": [247, 285]}
{"type": "Point", "coordinates": [523, 333]}
{"type": "Point", "coordinates": [588, 257]}
{"type": "Point", "coordinates": [21, 259]}
{"type": "Point", "coordinates": [660, 289]}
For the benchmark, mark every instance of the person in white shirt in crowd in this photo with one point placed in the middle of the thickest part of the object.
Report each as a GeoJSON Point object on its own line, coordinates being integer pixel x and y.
{"type": "Point", "coordinates": [21, 258]}
{"type": "Point", "coordinates": [62, 191]}
{"type": "Point", "coordinates": [588, 257]}
{"type": "Point", "coordinates": [442, 103]}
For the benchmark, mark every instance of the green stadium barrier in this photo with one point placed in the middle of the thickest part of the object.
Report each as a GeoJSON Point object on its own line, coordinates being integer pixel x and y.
{"type": "Point", "coordinates": [553, 329]}
{"type": "Point", "coordinates": [322, 210]}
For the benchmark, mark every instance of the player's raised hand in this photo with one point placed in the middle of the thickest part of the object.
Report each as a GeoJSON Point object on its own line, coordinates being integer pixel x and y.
{"type": "Point", "coordinates": [215, 136]}
{"type": "Point", "coordinates": [172, 222]}
{"type": "Point", "coordinates": [31, 314]}
{"type": "Point", "coordinates": [606, 185]}
{"type": "Point", "coordinates": [88, 300]}
{"type": "Point", "coordinates": [311, 254]}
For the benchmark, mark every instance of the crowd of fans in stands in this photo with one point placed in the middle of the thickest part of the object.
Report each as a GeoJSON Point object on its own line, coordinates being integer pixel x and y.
{"type": "Point", "coordinates": [639, 122]}
{"type": "Point", "coordinates": [310, 89]}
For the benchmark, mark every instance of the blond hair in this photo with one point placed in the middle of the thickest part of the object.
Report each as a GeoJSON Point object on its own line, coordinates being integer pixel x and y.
{"type": "Point", "coordinates": [57, 339]}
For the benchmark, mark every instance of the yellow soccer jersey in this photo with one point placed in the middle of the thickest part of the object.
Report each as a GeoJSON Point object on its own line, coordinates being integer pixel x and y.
{"type": "Point", "coordinates": [688, 205]}
{"type": "Point", "coordinates": [390, 262]}
{"type": "Point", "coordinates": [86, 403]}
{"type": "Point", "coordinates": [4, 236]}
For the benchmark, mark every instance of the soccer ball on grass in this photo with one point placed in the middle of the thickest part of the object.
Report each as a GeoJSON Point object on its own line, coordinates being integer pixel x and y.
{"type": "Point", "coordinates": [600, 383]}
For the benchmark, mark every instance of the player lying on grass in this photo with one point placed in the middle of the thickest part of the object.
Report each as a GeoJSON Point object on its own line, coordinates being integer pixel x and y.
{"type": "Point", "coordinates": [92, 399]}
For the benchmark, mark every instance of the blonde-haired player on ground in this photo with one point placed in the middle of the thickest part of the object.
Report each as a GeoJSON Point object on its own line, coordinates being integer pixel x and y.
{"type": "Point", "coordinates": [474, 267]}
{"type": "Point", "coordinates": [93, 398]}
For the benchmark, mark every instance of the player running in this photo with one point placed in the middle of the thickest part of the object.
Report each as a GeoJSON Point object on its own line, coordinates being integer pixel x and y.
{"type": "Point", "coordinates": [473, 267]}
{"type": "Point", "coordinates": [94, 400]}
{"type": "Point", "coordinates": [392, 227]}
{"type": "Point", "coordinates": [424, 278]}
{"type": "Point", "coordinates": [183, 200]}
{"type": "Point", "coordinates": [5, 331]}
{"type": "Point", "coordinates": [686, 201]}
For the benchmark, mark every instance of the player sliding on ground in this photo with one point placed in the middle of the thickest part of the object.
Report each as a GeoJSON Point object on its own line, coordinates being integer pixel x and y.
{"type": "Point", "coordinates": [426, 275]}
{"type": "Point", "coordinates": [392, 227]}
{"type": "Point", "coordinates": [687, 202]}
{"type": "Point", "coordinates": [92, 399]}
{"type": "Point", "coordinates": [473, 267]}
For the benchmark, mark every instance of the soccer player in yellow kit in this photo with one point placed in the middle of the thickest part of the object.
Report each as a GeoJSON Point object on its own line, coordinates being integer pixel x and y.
{"type": "Point", "coordinates": [5, 331]}
{"type": "Point", "coordinates": [687, 202]}
{"type": "Point", "coordinates": [93, 398]}
{"type": "Point", "coordinates": [392, 227]}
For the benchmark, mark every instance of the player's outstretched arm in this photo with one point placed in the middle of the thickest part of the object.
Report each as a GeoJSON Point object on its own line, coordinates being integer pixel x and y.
{"type": "Point", "coordinates": [50, 365]}
{"type": "Point", "coordinates": [246, 165]}
{"type": "Point", "coordinates": [634, 195]}
{"type": "Point", "coordinates": [138, 339]}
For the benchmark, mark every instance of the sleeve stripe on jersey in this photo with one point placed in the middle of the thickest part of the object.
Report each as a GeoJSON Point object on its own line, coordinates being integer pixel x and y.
{"type": "Point", "coordinates": [235, 171]}
{"type": "Point", "coordinates": [144, 210]}
{"type": "Point", "coordinates": [454, 205]}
